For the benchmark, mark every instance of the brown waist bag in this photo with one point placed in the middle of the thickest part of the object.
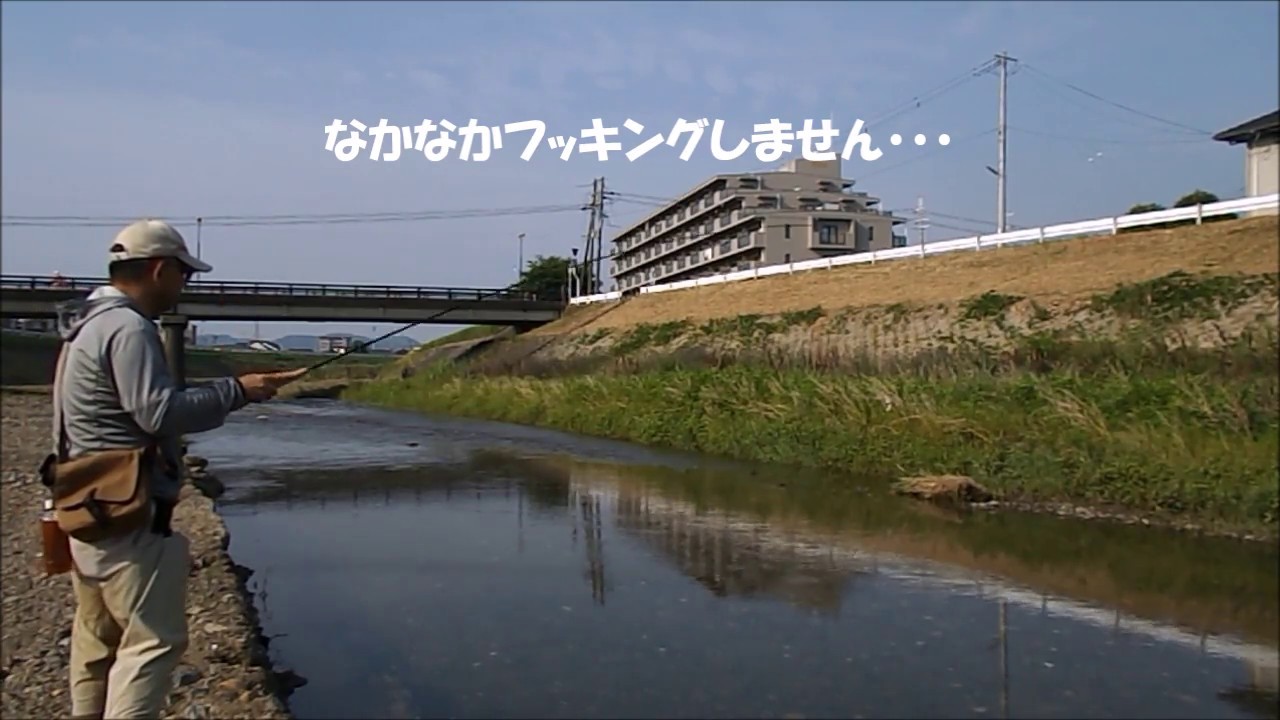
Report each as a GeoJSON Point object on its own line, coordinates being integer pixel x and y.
{"type": "Point", "coordinates": [103, 494]}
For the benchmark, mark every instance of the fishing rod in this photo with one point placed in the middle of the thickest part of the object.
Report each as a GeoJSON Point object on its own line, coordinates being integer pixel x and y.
{"type": "Point", "coordinates": [350, 351]}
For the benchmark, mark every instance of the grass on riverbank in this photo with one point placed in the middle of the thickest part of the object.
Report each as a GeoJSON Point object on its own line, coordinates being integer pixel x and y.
{"type": "Point", "coordinates": [1188, 434]}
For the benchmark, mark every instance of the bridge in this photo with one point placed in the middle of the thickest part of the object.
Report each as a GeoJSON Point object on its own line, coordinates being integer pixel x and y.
{"type": "Point", "coordinates": [39, 297]}
{"type": "Point", "coordinates": [31, 296]}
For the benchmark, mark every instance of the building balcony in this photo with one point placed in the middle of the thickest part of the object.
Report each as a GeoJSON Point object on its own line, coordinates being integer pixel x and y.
{"type": "Point", "coordinates": [698, 212]}
{"type": "Point", "coordinates": [707, 251]}
{"type": "Point", "coordinates": [735, 220]}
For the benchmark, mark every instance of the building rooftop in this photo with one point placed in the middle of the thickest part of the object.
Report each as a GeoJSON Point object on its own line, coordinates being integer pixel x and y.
{"type": "Point", "coordinates": [1246, 131]}
{"type": "Point", "coordinates": [827, 169]}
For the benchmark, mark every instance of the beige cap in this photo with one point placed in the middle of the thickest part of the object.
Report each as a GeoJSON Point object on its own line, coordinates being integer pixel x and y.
{"type": "Point", "coordinates": [149, 238]}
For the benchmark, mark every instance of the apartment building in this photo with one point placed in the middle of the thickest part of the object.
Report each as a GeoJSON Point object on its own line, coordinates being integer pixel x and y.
{"type": "Point", "coordinates": [801, 211]}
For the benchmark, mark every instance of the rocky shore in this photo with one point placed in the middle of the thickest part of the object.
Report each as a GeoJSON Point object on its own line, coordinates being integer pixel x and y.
{"type": "Point", "coordinates": [226, 672]}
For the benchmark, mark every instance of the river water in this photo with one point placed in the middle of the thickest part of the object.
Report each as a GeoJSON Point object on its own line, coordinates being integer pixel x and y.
{"type": "Point", "coordinates": [413, 566]}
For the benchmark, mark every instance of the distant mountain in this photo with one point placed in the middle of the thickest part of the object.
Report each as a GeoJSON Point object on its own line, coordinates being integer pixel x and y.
{"type": "Point", "coordinates": [306, 343]}
{"type": "Point", "coordinates": [214, 339]}
{"type": "Point", "coordinates": [399, 342]}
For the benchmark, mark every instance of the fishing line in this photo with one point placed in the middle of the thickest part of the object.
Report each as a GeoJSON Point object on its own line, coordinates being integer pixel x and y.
{"type": "Point", "coordinates": [397, 331]}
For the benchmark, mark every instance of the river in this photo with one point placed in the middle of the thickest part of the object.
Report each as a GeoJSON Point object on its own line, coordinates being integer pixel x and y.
{"type": "Point", "coordinates": [413, 566]}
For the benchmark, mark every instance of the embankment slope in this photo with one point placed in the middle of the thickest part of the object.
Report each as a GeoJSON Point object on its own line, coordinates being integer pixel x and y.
{"type": "Point", "coordinates": [1199, 286]}
{"type": "Point", "coordinates": [1054, 272]}
{"type": "Point", "coordinates": [1134, 373]}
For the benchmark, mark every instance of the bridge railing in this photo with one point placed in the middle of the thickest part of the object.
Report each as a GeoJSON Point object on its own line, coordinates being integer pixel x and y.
{"type": "Point", "coordinates": [266, 289]}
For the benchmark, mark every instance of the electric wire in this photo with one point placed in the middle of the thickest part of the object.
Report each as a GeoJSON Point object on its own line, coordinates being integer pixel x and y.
{"type": "Point", "coordinates": [1121, 106]}
{"type": "Point", "coordinates": [100, 221]}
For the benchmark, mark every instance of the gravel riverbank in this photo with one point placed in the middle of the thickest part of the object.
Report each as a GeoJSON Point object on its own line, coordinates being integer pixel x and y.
{"type": "Point", "coordinates": [226, 672]}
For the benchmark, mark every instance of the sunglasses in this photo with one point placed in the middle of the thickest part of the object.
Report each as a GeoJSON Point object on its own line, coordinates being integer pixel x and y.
{"type": "Point", "coordinates": [187, 272]}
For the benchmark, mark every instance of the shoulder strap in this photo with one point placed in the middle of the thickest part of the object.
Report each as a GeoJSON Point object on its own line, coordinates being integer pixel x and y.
{"type": "Point", "coordinates": [60, 445]}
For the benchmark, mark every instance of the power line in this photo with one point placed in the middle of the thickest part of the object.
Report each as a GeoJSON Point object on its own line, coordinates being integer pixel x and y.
{"type": "Point", "coordinates": [935, 151]}
{"type": "Point", "coordinates": [73, 221]}
{"type": "Point", "coordinates": [962, 218]}
{"type": "Point", "coordinates": [1112, 103]}
{"type": "Point", "coordinates": [944, 88]}
{"type": "Point", "coordinates": [1112, 141]}
{"type": "Point", "coordinates": [635, 198]}
{"type": "Point", "coordinates": [640, 196]}
{"type": "Point", "coordinates": [969, 231]}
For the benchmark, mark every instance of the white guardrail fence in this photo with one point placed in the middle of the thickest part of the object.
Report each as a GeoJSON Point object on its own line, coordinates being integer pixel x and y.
{"type": "Point", "coordinates": [1101, 226]}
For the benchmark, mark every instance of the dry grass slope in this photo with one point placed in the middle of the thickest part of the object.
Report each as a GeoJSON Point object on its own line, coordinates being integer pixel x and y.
{"type": "Point", "coordinates": [1053, 273]}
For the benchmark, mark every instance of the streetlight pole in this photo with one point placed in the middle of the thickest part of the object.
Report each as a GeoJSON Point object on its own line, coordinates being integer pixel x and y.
{"type": "Point", "coordinates": [575, 282]}
{"type": "Point", "coordinates": [520, 265]}
{"type": "Point", "coordinates": [199, 223]}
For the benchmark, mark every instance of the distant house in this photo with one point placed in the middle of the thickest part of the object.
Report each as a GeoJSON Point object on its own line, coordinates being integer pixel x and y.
{"type": "Point", "coordinates": [338, 342]}
{"type": "Point", "coordinates": [1261, 137]}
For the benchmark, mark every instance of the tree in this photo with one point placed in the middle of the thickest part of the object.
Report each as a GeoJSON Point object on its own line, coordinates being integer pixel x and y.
{"type": "Point", "coordinates": [1139, 209]}
{"type": "Point", "coordinates": [1202, 197]}
{"type": "Point", "coordinates": [547, 277]}
{"type": "Point", "coordinates": [1191, 199]}
{"type": "Point", "coordinates": [1196, 197]}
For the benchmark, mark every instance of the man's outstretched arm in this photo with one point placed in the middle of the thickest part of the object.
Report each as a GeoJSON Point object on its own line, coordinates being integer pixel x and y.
{"type": "Point", "coordinates": [148, 393]}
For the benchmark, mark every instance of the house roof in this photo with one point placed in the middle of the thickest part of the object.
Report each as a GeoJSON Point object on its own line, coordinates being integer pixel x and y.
{"type": "Point", "coordinates": [1246, 131]}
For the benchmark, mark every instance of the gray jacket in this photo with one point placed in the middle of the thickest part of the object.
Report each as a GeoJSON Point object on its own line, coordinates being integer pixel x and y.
{"type": "Point", "coordinates": [116, 392]}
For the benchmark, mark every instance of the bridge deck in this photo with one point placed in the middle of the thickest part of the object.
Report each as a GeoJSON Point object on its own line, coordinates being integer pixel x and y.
{"type": "Point", "coordinates": [30, 296]}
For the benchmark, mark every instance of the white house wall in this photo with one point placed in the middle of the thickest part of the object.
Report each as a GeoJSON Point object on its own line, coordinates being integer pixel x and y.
{"type": "Point", "coordinates": [1262, 172]}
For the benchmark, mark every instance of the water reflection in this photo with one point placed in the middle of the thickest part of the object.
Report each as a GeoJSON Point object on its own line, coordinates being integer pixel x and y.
{"type": "Point", "coordinates": [874, 587]}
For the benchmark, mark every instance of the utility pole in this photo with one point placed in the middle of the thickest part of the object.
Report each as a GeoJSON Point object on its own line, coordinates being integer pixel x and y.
{"type": "Point", "coordinates": [1002, 62]}
{"type": "Point", "coordinates": [593, 252]}
{"type": "Point", "coordinates": [199, 222]}
{"type": "Point", "coordinates": [586, 282]}
{"type": "Point", "coordinates": [596, 281]}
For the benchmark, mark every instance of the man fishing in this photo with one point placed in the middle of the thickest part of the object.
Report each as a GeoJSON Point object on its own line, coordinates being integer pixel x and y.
{"type": "Point", "coordinates": [113, 392]}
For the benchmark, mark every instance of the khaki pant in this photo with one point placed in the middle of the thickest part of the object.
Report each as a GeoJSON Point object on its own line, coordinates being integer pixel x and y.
{"type": "Point", "coordinates": [130, 632]}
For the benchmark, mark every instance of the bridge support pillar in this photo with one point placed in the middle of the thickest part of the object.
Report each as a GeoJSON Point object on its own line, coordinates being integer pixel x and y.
{"type": "Point", "coordinates": [173, 329]}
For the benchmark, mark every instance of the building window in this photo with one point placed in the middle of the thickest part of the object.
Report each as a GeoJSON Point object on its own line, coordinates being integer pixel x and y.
{"type": "Point", "coordinates": [871, 234]}
{"type": "Point", "coordinates": [786, 231]}
{"type": "Point", "coordinates": [827, 235]}
{"type": "Point", "coordinates": [743, 240]}
{"type": "Point", "coordinates": [786, 258]}
{"type": "Point", "coordinates": [725, 246]}
{"type": "Point", "coordinates": [899, 241]}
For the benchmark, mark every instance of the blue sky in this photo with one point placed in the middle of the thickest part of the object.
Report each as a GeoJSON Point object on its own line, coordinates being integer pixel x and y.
{"type": "Point", "coordinates": [186, 109]}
